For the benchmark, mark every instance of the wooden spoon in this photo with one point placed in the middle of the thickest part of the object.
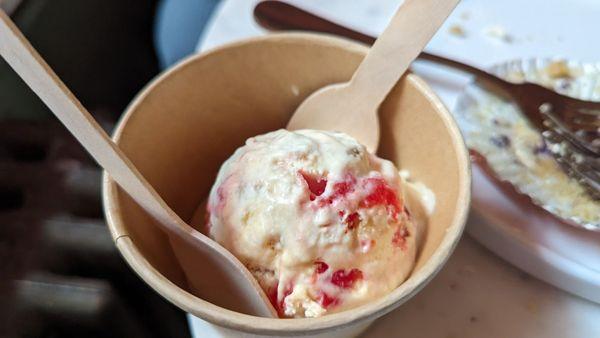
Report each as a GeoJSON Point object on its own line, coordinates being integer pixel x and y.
{"type": "Point", "coordinates": [351, 107]}
{"type": "Point", "coordinates": [239, 291]}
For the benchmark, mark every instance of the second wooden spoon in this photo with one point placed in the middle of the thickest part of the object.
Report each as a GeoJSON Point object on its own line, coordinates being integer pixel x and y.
{"type": "Point", "coordinates": [352, 107]}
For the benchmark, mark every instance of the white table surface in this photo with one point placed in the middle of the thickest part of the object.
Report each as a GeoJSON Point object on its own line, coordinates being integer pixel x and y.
{"type": "Point", "coordinates": [476, 294]}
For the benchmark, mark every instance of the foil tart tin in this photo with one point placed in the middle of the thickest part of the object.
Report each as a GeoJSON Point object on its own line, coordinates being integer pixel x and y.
{"type": "Point", "coordinates": [514, 151]}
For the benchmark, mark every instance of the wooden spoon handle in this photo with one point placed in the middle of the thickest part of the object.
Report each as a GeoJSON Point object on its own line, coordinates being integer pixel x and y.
{"type": "Point", "coordinates": [23, 58]}
{"type": "Point", "coordinates": [233, 277]}
{"type": "Point", "coordinates": [413, 25]}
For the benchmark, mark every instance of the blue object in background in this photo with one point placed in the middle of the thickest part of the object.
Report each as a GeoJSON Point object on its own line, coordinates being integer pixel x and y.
{"type": "Point", "coordinates": [179, 25]}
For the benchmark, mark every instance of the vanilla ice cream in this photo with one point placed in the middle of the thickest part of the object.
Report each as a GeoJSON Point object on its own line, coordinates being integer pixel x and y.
{"type": "Point", "coordinates": [320, 222]}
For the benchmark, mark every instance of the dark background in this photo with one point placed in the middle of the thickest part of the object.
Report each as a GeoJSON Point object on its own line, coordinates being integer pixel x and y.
{"type": "Point", "coordinates": [60, 274]}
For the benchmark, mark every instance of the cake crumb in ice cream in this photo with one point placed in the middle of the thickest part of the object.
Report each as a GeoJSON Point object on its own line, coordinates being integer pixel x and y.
{"type": "Point", "coordinates": [320, 222]}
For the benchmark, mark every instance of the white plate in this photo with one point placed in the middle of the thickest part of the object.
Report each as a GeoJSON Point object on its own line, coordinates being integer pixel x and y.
{"type": "Point", "coordinates": [534, 240]}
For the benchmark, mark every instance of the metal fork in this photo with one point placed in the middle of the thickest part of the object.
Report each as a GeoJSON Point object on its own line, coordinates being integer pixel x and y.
{"type": "Point", "coordinates": [569, 126]}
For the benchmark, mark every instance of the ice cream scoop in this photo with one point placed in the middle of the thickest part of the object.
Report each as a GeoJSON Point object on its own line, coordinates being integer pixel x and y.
{"type": "Point", "coordinates": [318, 220]}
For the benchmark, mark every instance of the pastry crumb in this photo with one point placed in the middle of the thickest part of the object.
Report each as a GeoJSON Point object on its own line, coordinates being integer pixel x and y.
{"type": "Point", "coordinates": [558, 69]}
{"type": "Point", "coordinates": [457, 30]}
{"type": "Point", "coordinates": [499, 33]}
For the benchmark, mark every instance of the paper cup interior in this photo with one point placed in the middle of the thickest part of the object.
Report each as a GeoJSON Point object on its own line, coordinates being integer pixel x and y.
{"type": "Point", "coordinates": [182, 127]}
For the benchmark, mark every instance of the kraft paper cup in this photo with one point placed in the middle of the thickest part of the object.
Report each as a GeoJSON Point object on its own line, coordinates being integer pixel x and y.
{"type": "Point", "coordinates": [190, 119]}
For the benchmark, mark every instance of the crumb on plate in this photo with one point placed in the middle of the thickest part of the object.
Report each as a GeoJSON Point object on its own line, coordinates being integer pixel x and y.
{"type": "Point", "coordinates": [457, 30]}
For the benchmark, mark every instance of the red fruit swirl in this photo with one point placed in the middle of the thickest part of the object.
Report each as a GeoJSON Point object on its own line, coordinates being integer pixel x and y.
{"type": "Point", "coordinates": [316, 185]}
{"type": "Point", "coordinates": [326, 300]}
{"type": "Point", "coordinates": [399, 238]}
{"type": "Point", "coordinates": [339, 190]}
{"type": "Point", "coordinates": [381, 194]}
{"type": "Point", "coordinates": [277, 303]}
{"type": "Point", "coordinates": [321, 267]}
{"type": "Point", "coordinates": [353, 220]}
{"type": "Point", "coordinates": [346, 279]}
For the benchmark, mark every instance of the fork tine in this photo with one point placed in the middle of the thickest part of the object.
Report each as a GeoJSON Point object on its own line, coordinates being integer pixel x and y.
{"type": "Point", "coordinates": [589, 112]}
{"type": "Point", "coordinates": [581, 115]}
{"type": "Point", "coordinates": [583, 177]}
{"type": "Point", "coordinates": [566, 153]}
{"type": "Point", "coordinates": [577, 142]}
{"type": "Point", "coordinates": [577, 124]}
{"type": "Point", "coordinates": [594, 163]}
{"type": "Point", "coordinates": [581, 168]}
{"type": "Point", "coordinates": [555, 123]}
